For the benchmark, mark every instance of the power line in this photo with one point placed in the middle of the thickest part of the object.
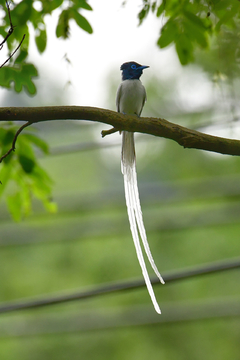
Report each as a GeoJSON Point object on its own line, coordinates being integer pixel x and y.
{"type": "Point", "coordinates": [67, 222]}
{"type": "Point", "coordinates": [122, 286]}
{"type": "Point", "coordinates": [133, 316]}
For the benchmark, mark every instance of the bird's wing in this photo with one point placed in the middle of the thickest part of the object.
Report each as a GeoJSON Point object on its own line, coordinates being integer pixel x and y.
{"type": "Point", "coordinates": [119, 91]}
{"type": "Point", "coordinates": [144, 100]}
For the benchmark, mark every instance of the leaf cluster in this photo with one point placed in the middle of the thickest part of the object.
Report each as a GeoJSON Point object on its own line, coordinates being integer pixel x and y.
{"type": "Point", "coordinates": [21, 175]}
{"type": "Point", "coordinates": [33, 13]}
{"type": "Point", "coordinates": [191, 24]}
{"type": "Point", "coordinates": [72, 12]}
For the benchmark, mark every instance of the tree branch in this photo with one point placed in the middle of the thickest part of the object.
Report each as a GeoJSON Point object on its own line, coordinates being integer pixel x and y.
{"type": "Point", "coordinates": [153, 126]}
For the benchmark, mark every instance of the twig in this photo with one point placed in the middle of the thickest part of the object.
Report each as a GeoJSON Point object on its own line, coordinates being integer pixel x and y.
{"type": "Point", "coordinates": [10, 31]}
{"type": "Point", "coordinates": [108, 132]}
{"type": "Point", "coordinates": [122, 286]}
{"type": "Point", "coordinates": [9, 14]}
{"type": "Point", "coordinates": [11, 55]}
{"type": "Point", "coordinates": [14, 140]}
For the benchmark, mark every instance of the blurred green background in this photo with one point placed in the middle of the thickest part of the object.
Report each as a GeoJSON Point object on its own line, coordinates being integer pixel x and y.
{"type": "Point", "coordinates": [191, 209]}
{"type": "Point", "coordinates": [190, 202]}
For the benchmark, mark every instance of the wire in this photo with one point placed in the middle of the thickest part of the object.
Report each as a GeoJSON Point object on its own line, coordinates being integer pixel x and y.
{"type": "Point", "coordinates": [122, 286]}
{"type": "Point", "coordinates": [133, 316]}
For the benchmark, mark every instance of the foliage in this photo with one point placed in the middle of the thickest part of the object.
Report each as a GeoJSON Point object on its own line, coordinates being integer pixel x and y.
{"type": "Point", "coordinates": [21, 75]}
{"type": "Point", "coordinates": [21, 171]}
{"type": "Point", "coordinates": [21, 175]}
{"type": "Point", "coordinates": [32, 13]}
{"type": "Point", "coordinates": [192, 24]}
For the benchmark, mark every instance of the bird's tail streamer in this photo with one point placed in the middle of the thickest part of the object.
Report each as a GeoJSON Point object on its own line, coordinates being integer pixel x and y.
{"type": "Point", "coordinates": [128, 167]}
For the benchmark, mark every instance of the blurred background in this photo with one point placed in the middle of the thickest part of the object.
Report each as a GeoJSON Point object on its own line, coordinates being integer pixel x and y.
{"type": "Point", "coordinates": [190, 202]}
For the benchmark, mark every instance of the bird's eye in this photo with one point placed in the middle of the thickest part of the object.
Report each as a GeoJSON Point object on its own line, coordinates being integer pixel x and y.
{"type": "Point", "coordinates": [133, 67]}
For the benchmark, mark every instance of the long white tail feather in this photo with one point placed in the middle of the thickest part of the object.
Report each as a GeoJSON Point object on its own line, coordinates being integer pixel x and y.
{"type": "Point", "coordinates": [141, 228]}
{"type": "Point", "coordinates": [133, 226]}
{"type": "Point", "coordinates": [128, 166]}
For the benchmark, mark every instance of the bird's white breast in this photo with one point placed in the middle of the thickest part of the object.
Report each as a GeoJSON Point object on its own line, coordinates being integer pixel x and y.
{"type": "Point", "coordinates": [131, 97]}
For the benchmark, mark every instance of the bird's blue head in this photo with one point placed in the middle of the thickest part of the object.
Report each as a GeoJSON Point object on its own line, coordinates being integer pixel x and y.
{"type": "Point", "coordinates": [132, 70]}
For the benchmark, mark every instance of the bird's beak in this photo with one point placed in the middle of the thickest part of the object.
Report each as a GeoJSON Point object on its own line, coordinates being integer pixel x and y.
{"type": "Point", "coordinates": [143, 67]}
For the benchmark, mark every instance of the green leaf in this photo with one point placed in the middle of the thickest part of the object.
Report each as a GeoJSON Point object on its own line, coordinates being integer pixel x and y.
{"type": "Point", "coordinates": [21, 75]}
{"type": "Point", "coordinates": [81, 21]}
{"type": "Point", "coordinates": [169, 34]}
{"type": "Point", "coordinates": [195, 20]}
{"type": "Point", "coordinates": [27, 163]}
{"type": "Point", "coordinates": [21, 56]}
{"type": "Point", "coordinates": [41, 144]}
{"type": "Point", "coordinates": [195, 34]}
{"type": "Point", "coordinates": [226, 19]}
{"type": "Point", "coordinates": [154, 5]}
{"type": "Point", "coordinates": [5, 175]}
{"type": "Point", "coordinates": [6, 144]}
{"type": "Point", "coordinates": [23, 78]}
{"type": "Point", "coordinates": [50, 205]}
{"type": "Point", "coordinates": [2, 31]}
{"type": "Point", "coordinates": [14, 203]}
{"type": "Point", "coordinates": [6, 76]}
{"type": "Point", "coordinates": [82, 4]}
{"type": "Point", "coordinates": [24, 171]}
{"type": "Point", "coordinates": [7, 136]}
{"type": "Point", "coordinates": [222, 5]}
{"type": "Point", "coordinates": [62, 29]}
{"type": "Point", "coordinates": [24, 147]}
{"type": "Point", "coordinates": [41, 40]}
{"type": "Point", "coordinates": [184, 49]}
{"type": "Point", "coordinates": [49, 6]}
{"type": "Point", "coordinates": [3, 133]}
{"type": "Point", "coordinates": [161, 9]}
{"type": "Point", "coordinates": [144, 12]}
{"type": "Point", "coordinates": [22, 12]}
{"type": "Point", "coordinates": [42, 182]}
{"type": "Point", "coordinates": [41, 188]}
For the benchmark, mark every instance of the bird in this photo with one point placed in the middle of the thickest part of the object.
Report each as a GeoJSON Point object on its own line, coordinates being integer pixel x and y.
{"type": "Point", "coordinates": [130, 99]}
